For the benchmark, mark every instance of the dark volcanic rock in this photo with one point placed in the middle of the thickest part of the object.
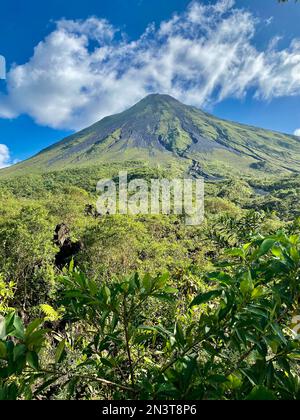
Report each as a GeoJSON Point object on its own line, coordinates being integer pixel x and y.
{"type": "Point", "coordinates": [68, 249]}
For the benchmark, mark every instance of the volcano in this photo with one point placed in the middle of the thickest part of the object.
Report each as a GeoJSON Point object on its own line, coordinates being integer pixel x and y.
{"type": "Point", "coordinates": [161, 130]}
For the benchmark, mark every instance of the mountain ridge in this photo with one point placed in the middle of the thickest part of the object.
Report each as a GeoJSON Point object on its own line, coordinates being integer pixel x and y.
{"type": "Point", "coordinates": [161, 130]}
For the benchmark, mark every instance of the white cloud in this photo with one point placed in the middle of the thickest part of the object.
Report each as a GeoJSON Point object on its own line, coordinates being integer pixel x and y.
{"type": "Point", "coordinates": [297, 132]}
{"type": "Point", "coordinates": [4, 156]}
{"type": "Point", "coordinates": [86, 69]}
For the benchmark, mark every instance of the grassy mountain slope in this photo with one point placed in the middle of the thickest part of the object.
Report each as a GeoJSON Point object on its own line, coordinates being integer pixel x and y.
{"type": "Point", "coordinates": [162, 131]}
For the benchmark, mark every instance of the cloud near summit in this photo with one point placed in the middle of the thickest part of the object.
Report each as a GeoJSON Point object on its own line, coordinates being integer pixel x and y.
{"type": "Point", "coordinates": [4, 156]}
{"type": "Point", "coordinates": [87, 69]}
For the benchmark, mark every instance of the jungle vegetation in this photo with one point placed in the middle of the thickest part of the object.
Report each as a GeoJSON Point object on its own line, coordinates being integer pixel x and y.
{"type": "Point", "coordinates": [147, 307]}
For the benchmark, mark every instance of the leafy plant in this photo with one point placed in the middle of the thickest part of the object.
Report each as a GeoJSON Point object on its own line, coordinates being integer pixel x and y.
{"type": "Point", "coordinates": [133, 338]}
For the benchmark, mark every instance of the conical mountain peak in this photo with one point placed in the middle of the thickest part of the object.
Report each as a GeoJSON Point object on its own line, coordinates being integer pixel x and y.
{"type": "Point", "coordinates": [161, 130]}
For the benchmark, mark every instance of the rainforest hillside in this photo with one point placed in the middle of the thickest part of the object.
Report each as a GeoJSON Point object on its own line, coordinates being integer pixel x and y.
{"type": "Point", "coordinates": [145, 307]}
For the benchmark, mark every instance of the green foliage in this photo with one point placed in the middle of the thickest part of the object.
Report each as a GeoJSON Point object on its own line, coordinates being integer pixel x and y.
{"type": "Point", "coordinates": [231, 340]}
{"type": "Point", "coordinates": [50, 313]}
{"type": "Point", "coordinates": [6, 295]}
{"type": "Point", "coordinates": [19, 356]}
{"type": "Point", "coordinates": [219, 326]}
{"type": "Point", "coordinates": [26, 248]}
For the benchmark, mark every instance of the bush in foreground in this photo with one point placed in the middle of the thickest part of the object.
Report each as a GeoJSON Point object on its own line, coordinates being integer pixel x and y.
{"type": "Point", "coordinates": [142, 338]}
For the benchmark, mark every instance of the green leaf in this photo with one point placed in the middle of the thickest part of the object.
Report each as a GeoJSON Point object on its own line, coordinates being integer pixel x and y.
{"type": "Point", "coordinates": [71, 266]}
{"type": "Point", "coordinates": [140, 338]}
{"type": "Point", "coordinates": [106, 294]}
{"type": "Point", "coordinates": [257, 292]}
{"type": "Point", "coordinates": [60, 351]}
{"type": "Point", "coordinates": [33, 326]}
{"type": "Point", "coordinates": [32, 360]}
{"type": "Point", "coordinates": [294, 239]}
{"type": "Point", "coordinates": [106, 362]}
{"type": "Point", "coordinates": [266, 246]}
{"type": "Point", "coordinates": [9, 321]}
{"type": "Point", "coordinates": [236, 252]}
{"type": "Point", "coordinates": [246, 285]}
{"type": "Point", "coordinates": [3, 351]}
{"type": "Point", "coordinates": [19, 351]}
{"type": "Point", "coordinates": [45, 385]}
{"type": "Point", "coordinates": [36, 339]}
{"type": "Point", "coordinates": [294, 254]}
{"type": "Point", "coordinates": [235, 381]}
{"type": "Point", "coordinates": [114, 321]}
{"type": "Point", "coordinates": [2, 328]}
{"type": "Point", "coordinates": [161, 281]}
{"type": "Point", "coordinates": [295, 355]}
{"type": "Point", "coordinates": [257, 311]}
{"type": "Point", "coordinates": [220, 276]}
{"type": "Point", "coordinates": [165, 297]}
{"type": "Point", "coordinates": [147, 283]}
{"type": "Point", "coordinates": [72, 386]}
{"type": "Point", "coordinates": [260, 392]}
{"type": "Point", "coordinates": [179, 335]}
{"type": "Point", "coordinates": [277, 330]}
{"type": "Point", "coordinates": [158, 329]}
{"type": "Point", "coordinates": [217, 379]}
{"type": "Point", "coordinates": [19, 327]}
{"type": "Point", "coordinates": [51, 314]}
{"type": "Point", "coordinates": [276, 251]}
{"type": "Point", "coordinates": [170, 290]}
{"type": "Point", "coordinates": [206, 297]}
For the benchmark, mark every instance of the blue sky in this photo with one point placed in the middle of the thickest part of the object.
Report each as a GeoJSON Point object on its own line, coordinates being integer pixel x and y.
{"type": "Point", "coordinates": [239, 61]}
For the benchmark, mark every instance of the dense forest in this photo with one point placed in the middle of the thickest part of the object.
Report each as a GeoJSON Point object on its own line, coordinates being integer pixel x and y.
{"type": "Point", "coordinates": [145, 307]}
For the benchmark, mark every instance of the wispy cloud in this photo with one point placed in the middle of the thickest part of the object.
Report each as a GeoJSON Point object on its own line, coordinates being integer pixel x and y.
{"type": "Point", "coordinates": [4, 156]}
{"type": "Point", "coordinates": [86, 69]}
{"type": "Point", "coordinates": [297, 132]}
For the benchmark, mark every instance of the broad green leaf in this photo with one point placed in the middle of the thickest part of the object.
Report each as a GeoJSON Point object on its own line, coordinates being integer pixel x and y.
{"type": "Point", "coordinates": [294, 254]}
{"type": "Point", "coordinates": [206, 297]}
{"type": "Point", "coordinates": [236, 252]}
{"type": "Point", "coordinates": [147, 283]}
{"type": "Point", "coordinates": [106, 294]}
{"type": "Point", "coordinates": [33, 326]}
{"type": "Point", "coordinates": [162, 280]}
{"type": "Point", "coordinates": [60, 351]}
{"type": "Point", "coordinates": [260, 392]}
{"type": "Point", "coordinates": [266, 246]}
{"type": "Point", "coordinates": [257, 292]}
{"type": "Point", "coordinates": [294, 239]}
{"type": "Point", "coordinates": [3, 351]}
{"type": "Point", "coordinates": [106, 362]}
{"type": "Point", "coordinates": [295, 355]}
{"type": "Point", "coordinates": [32, 360]}
{"type": "Point", "coordinates": [220, 276]}
{"type": "Point", "coordinates": [35, 340]}
{"type": "Point", "coordinates": [19, 351]}
{"type": "Point", "coordinates": [235, 381]}
{"type": "Point", "coordinates": [247, 285]}
{"type": "Point", "coordinates": [19, 327]}
{"type": "Point", "coordinates": [278, 331]}
{"type": "Point", "coordinates": [9, 322]}
{"type": "Point", "coordinates": [277, 251]}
